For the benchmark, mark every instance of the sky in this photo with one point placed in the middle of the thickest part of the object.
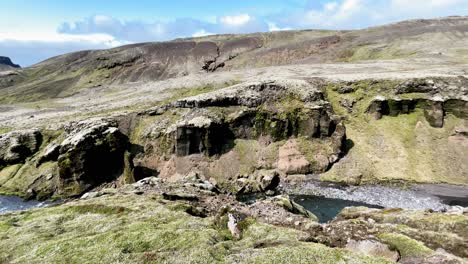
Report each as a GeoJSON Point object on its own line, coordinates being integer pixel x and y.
{"type": "Point", "coordinates": [32, 30]}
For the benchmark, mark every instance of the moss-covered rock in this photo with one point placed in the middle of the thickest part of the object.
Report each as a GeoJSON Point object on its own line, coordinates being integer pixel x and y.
{"type": "Point", "coordinates": [92, 154]}
{"type": "Point", "coordinates": [433, 229]}
{"type": "Point", "coordinates": [408, 141]}
{"type": "Point", "coordinates": [144, 229]}
{"type": "Point", "coordinates": [406, 246]}
{"type": "Point", "coordinates": [16, 146]}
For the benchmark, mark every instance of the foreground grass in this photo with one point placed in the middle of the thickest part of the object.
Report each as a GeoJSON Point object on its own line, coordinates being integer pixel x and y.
{"type": "Point", "coordinates": [146, 229]}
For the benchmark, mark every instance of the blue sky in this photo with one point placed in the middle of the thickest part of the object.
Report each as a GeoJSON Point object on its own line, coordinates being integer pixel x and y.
{"type": "Point", "coordinates": [31, 30]}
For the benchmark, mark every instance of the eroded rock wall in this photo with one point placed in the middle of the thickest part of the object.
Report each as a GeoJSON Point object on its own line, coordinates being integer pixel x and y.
{"type": "Point", "coordinates": [353, 132]}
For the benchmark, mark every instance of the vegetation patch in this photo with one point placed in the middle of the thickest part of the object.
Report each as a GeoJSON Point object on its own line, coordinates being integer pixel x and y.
{"type": "Point", "coordinates": [407, 247]}
{"type": "Point", "coordinates": [97, 209]}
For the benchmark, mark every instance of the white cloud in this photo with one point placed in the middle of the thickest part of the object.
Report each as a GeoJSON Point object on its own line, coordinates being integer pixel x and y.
{"type": "Point", "coordinates": [331, 6]}
{"type": "Point", "coordinates": [332, 13]}
{"type": "Point", "coordinates": [354, 14]}
{"type": "Point", "coordinates": [139, 31]}
{"type": "Point", "coordinates": [235, 20]}
{"type": "Point", "coordinates": [201, 33]}
{"type": "Point", "coordinates": [105, 40]}
{"type": "Point", "coordinates": [273, 27]}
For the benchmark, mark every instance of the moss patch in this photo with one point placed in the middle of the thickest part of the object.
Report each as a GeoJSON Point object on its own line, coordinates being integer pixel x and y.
{"type": "Point", "coordinates": [141, 229]}
{"type": "Point", "coordinates": [407, 247]}
{"type": "Point", "coordinates": [418, 152]}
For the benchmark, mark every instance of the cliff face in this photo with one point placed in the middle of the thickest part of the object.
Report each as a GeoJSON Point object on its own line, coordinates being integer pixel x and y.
{"type": "Point", "coordinates": [356, 132]}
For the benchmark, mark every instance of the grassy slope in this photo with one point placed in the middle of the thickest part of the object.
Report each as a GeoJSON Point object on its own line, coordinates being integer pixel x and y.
{"type": "Point", "coordinates": [405, 147]}
{"type": "Point", "coordinates": [146, 229]}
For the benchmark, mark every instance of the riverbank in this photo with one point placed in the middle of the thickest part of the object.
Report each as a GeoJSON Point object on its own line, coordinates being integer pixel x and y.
{"type": "Point", "coordinates": [438, 197]}
{"type": "Point", "coordinates": [10, 203]}
{"type": "Point", "coordinates": [157, 221]}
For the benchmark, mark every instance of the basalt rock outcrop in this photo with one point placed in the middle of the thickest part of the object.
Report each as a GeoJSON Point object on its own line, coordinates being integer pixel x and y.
{"type": "Point", "coordinates": [436, 97]}
{"type": "Point", "coordinates": [229, 136]}
{"type": "Point", "coordinates": [85, 155]}
{"type": "Point", "coordinates": [434, 108]}
{"type": "Point", "coordinates": [215, 132]}
{"type": "Point", "coordinates": [289, 126]}
{"type": "Point", "coordinates": [16, 147]}
{"type": "Point", "coordinates": [412, 123]}
{"type": "Point", "coordinates": [92, 154]}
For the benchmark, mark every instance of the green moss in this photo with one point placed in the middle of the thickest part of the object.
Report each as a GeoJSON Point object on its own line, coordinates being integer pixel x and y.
{"type": "Point", "coordinates": [8, 172]}
{"type": "Point", "coordinates": [95, 231]}
{"type": "Point", "coordinates": [97, 209]}
{"type": "Point", "coordinates": [407, 247]}
{"type": "Point", "coordinates": [303, 253]}
{"type": "Point", "coordinates": [4, 130]}
{"type": "Point", "coordinates": [247, 154]}
{"type": "Point", "coordinates": [419, 152]}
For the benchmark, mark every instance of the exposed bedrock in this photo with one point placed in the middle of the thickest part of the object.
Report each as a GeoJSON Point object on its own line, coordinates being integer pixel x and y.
{"type": "Point", "coordinates": [92, 154]}
{"type": "Point", "coordinates": [418, 135]}
{"type": "Point", "coordinates": [16, 146]}
{"type": "Point", "coordinates": [233, 132]}
{"type": "Point", "coordinates": [434, 109]}
{"type": "Point", "coordinates": [436, 97]}
{"type": "Point", "coordinates": [38, 165]}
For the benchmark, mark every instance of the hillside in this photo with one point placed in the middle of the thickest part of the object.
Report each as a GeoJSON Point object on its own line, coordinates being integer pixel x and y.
{"type": "Point", "coordinates": [67, 74]}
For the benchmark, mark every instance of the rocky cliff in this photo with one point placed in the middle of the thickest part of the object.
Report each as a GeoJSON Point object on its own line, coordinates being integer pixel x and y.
{"type": "Point", "coordinates": [356, 132]}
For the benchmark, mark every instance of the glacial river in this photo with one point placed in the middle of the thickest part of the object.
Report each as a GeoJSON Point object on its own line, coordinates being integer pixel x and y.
{"type": "Point", "coordinates": [13, 203]}
{"type": "Point", "coordinates": [326, 200]}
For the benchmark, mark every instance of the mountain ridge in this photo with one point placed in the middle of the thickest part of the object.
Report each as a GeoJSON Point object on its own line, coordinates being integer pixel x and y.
{"type": "Point", "coordinates": [66, 74]}
{"type": "Point", "coordinates": [7, 64]}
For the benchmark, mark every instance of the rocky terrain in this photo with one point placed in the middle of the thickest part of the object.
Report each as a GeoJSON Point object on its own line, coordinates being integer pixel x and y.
{"type": "Point", "coordinates": [164, 139]}
{"type": "Point", "coordinates": [189, 221]}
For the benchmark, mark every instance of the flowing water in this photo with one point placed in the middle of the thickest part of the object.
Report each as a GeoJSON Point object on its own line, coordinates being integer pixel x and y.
{"type": "Point", "coordinates": [14, 203]}
{"type": "Point", "coordinates": [326, 208]}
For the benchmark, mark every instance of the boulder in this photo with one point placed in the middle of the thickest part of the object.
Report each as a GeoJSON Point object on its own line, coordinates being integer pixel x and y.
{"type": "Point", "coordinates": [348, 104]}
{"type": "Point", "coordinates": [287, 203]}
{"type": "Point", "coordinates": [180, 196]}
{"type": "Point", "coordinates": [92, 154]}
{"type": "Point", "coordinates": [233, 226]}
{"type": "Point", "coordinates": [373, 248]}
{"type": "Point", "coordinates": [260, 181]}
{"type": "Point", "coordinates": [268, 179]}
{"type": "Point", "coordinates": [17, 146]}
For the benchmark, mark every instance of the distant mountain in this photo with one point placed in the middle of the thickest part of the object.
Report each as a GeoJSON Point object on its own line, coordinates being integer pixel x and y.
{"type": "Point", "coordinates": [7, 64]}
{"type": "Point", "coordinates": [61, 76]}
